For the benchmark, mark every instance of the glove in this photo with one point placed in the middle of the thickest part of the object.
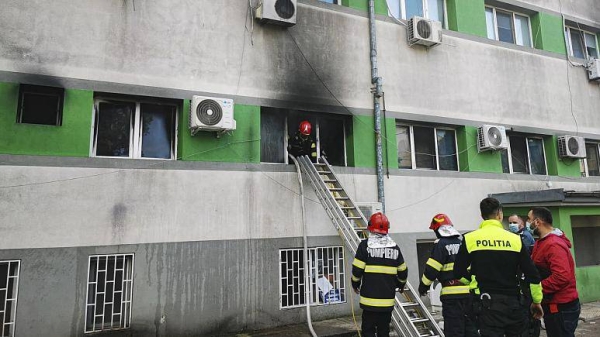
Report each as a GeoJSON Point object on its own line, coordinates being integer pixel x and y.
{"type": "Point", "coordinates": [423, 289]}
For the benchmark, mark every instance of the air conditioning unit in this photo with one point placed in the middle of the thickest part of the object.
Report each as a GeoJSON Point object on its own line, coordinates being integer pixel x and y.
{"type": "Point", "coordinates": [279, 12]}
{"type": "Point", "coordinates": [211, 114]}
{"type": "Point", "coordinates": [491, 137]}
{"type": "Point", "coordinates": [593, 69]}
{"type": "Point", "coordinates": [424, 32]}
{"type": "Point", "coordinates": [369, 208]}
{"type": "Point", "coordinates": [571, 147]}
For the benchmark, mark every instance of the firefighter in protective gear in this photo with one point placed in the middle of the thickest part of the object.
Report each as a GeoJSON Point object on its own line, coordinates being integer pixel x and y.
{"type": "Point", "coordinates": [377, 271]}
{"type": "Point", "coordinates": [455, 296]}
{"type": "Point", "coordinates": [302, 144]}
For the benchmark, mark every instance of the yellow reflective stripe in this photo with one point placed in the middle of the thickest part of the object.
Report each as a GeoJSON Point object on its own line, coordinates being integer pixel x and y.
{"type": "Point", "coordinates": [381, 270]}
{"type": "Point", "coordinates": [464, 281]}
{"type": "Point", "coordinates": [434, 264]}
{"type": "Point", "coordinates": [536, 292]}
{"type": "Point", "coordinates": [313, 146]}
{"type": "Point", "coordinates": [402, 281]}
{"type": "Point", "coordinates": [358, 263]}
{"type": "Point", "coordinates": [426, 281]}
{"type": "Point", "coordinates": [474, 284]}
{"type": "Point", "coordinates": [355, 279]}
{"type": "Point", "coordinates": [402, 267]}
{"type": "Point", "coordinates": [448, 266]}
{"type": "Point", "coordinates": [454, 290]}
{"type": "Point", "coordinates": [377, 302]}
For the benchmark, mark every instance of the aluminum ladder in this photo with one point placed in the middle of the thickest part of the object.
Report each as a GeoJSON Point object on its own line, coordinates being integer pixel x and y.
{"type": "Point", "coordinates": [410, 317]}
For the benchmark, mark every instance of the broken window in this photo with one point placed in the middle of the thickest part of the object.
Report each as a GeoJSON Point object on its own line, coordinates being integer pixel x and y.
{"type": "Point", "coordinates": [110, 286]}
{"type": "Point", "coordinates": [278, 126]}
{"type": "Point", "coordinates": [40, 105]}
{"type": "Point", "coordinates": [424, 147]}
{"type": "Point", "coordinates": [592, 160]}
{"type": "Point", "coordinates": [135, 129]}
{"type": "Point", "coordinates": [326, 275]}
{"type": "Point", "coordinates": [524, 155]}
{"type": "Point", "coordinates": [9, 285]}
{"type": "Point", "coordinates": [586, 239]}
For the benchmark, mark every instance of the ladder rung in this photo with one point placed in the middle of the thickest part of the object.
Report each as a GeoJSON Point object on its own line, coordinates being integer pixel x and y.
{"type": "Point", "coordinates": [409, 304]}
{"type": "Point", "coordinates": [419, 320]}
{"type": "Point", "coordinates": [341, 198]}
{"type": "Point", "coordinates": [324, 172]}
{"type": "Point", "coordinates": [335, 189]}
{"type": "Point", "coordinates": [348, 207]}
{"type": "Point", "coordinates": [354, 217]}
{"type": "Point", "coordinates": [429, 335]}
{"type": "Point", "coordinates": [329, 181]}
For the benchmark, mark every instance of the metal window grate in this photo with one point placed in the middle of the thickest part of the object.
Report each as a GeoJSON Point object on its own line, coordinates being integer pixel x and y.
{"type": "Point", "coordinates": [9, 289]}
{"type": "Point", "coordinates": [110, 285]}
{"type": "Point", "coordinates": [326, 274]}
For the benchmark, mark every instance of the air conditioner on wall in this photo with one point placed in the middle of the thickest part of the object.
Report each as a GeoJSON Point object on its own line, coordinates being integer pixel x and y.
{"type": "Point", "coordinates": [593, 69]}
{"type": "Point", "coordinates": [491, 137]}
{"type": "Point", "coordinates": [571, 147]}
{"type": "Point", "coordinates": [424, 32]}
{"type": "Point", "coordinates": [211, 114]}
{"type": "Point", "coordinates": [279, 12]}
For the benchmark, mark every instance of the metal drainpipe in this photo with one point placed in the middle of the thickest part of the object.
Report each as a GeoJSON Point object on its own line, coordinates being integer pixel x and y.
{"type": "Point", "coordinates": [377, 93]}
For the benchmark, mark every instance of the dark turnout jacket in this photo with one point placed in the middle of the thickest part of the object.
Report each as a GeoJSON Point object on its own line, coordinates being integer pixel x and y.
{"type": "Point", "coordinates": [378, 271]}
{"type": "Point", "coordinates": [496, 258]}
{"type": "Point", "coordinates": [441, 266]}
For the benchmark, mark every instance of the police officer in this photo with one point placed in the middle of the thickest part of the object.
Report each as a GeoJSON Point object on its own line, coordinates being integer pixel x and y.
{"type": "Point", "coordinates": [377, 271]}
{"type": "Point", "coordinates": [495, 257]}
{"type": "Point", "coordinates": [455, 296]}
{"type": "Point", "coordinates": [302, 143]}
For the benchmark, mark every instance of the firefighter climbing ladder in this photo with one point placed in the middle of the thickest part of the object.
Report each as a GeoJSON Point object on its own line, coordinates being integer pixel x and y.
{"type": "Point", "coordinates": [410, 317]}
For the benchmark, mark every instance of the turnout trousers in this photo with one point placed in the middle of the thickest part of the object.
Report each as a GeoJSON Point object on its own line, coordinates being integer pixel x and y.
{"type": "Point", "coordinates": [376, 323]}
{"type": "Point", "coordinates": [457, 321]}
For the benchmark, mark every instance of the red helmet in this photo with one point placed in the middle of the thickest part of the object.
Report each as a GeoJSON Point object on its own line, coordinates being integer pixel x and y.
{"type": "Point", "coordinates": [440, 220]}
{"type": "Point", "coordinates": [379, 223]}
{"type": "Point", "coordinates": [305, 128]}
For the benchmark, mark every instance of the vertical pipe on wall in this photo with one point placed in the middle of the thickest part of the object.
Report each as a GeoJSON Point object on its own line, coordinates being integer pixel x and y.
{"type": "Point", "coordinates": [377, 93]}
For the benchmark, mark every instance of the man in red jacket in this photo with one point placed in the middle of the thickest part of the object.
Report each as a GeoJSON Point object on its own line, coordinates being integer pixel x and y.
{"type": "Point", "coordinates": [552, 257]}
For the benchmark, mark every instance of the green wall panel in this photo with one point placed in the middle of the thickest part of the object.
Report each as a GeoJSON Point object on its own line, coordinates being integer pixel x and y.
{"type": "Point", "coordinates": [547, 31]}
{"type": "Point", "coordinates": [564, 167]}
{"type": "Point", "coordinates": [70, 139]}
{"type": "Point", "coordinates": [363, 5]}
{"type": "Point", "coordinates": [467, 16]}
{"type": "Point", "coordinates": [241, 145]}
{"type": "Point", "coordinates": [470, 160]}
{"type": "Point", "coordinates": [362, 152]}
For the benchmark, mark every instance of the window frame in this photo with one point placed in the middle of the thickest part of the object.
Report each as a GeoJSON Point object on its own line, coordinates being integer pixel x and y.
{"type": "Point", "coordinates": [41, 90]}
{"type": "Point", "coordinates": [413, 156]}
{"type": "Point", "coordinates": [583, 32]}
{"type": "Point", "coordinates": [514, 32]}
{"type": "Point", "coordinates": [135, 137]}
{"type": "Point", "coordinates": [425, 5]}
{"type": "Point", "coordinates": [12, 320]}
{"type": "Point", "coordinates": [124, 299]}
{"type": "Point", "coordinates": [509, 154]}
{"type": "Point", "coordinates": [585, 161]}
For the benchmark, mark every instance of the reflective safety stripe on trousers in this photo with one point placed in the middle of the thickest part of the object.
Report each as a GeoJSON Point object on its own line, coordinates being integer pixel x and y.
{"type": "Point", "coordinates": [377, 302]}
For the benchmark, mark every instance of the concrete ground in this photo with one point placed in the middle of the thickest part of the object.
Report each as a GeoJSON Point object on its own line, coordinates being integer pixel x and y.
{"type": "Point", "coordinates": [589, 326]}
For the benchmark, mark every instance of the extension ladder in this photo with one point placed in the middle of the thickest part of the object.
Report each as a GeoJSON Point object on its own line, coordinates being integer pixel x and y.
{"type": "Point", "coordinates": [410, 317]}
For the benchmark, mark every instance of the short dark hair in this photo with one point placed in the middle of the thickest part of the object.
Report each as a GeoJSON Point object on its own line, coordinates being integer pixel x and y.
{"type": "Point", "coordinates": [543, 214]}
{"type": "Point", "coordinates": [489, 207]}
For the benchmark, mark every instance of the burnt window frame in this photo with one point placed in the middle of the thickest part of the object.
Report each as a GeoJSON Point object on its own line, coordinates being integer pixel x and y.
{"type": "Point", "coordinates": [41, 90]}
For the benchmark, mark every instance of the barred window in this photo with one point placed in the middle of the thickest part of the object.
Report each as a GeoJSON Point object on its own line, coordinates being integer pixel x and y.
{"type": "Point", "coordinates": [326, 275]}
{"type": "Point", "coordinates": [110, 285]}
{"type": "Point", "coordinates": [9, 288]}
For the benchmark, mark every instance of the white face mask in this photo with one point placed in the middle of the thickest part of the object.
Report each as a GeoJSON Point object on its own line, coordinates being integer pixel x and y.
{"type": "Point", "coordinates": [513, 227]}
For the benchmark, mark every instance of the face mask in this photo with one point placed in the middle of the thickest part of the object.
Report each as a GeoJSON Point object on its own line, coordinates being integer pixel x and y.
{"type": "Point", "coordinates": [513, 227]}
{"type": "Point", "coordinates": [535, 230]}
{"type": "Point", "coordinates": [528, 227]}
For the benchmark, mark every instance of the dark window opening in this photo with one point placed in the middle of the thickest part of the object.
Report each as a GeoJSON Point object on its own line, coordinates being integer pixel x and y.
{"type": "Point", "coordinates": [425, 148]}
{"type": "Point", "coordinates": [40, 105]}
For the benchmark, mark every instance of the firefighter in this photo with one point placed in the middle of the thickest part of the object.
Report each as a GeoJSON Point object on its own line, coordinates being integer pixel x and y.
{"type": "Point", "coordinates": [302, 144]}
{"type": "Point", "coordinates": [497, 258]}
{"type": "Point", "coordinates": [455, 296]}
{"type": "Point", "coordinates": [377, 271]}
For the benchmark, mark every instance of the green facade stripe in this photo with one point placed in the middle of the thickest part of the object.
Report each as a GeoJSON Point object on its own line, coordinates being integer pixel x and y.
{"type": "Point", "coordinates": [564, 167]}
{"type": "Point", "coordinates": [467, 16]}
{"type": "Point", "coordinates": [470, 160]}
{"type": "Point", "coordinates": [72, 138]}
{"type": "Point", "coordinates": [361, 150]}
{"type": "Point", "coordinates": [363, 5]}
{"type": "Point", "coordinates": [548, 33]}
{"type": "Point", "coordinates": [239, 146]}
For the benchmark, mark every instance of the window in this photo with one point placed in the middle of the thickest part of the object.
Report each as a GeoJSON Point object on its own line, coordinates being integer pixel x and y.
{"type": "Point", "coordinates": [582, 44]}
{"type": "Point", "coordinates": [423, 147]}
{"type": "Point", "coordinates": [110, 285]}
{"type": "Point", "coordinates": [334, 2]}
{"type": "Point", "coordinates": [591, 164]}
{"type": "Point", "coordinates": [524, 155]}
{"type": "Point", "coordinates": [326, 276]}
{"type": "Point", "coordinates": [9, 289]}
{"type": "Point", "coordinates": [586, 239]}
{"type": "Point", "coordinates": [278, 125]}
{"type": "Point", "coordinates": [130, 128]}
{"type": "Point", "coordinates": [508, 26]}
{"type": "Point", "coordinates": [40, 105]}
{"type": "Point", "coordinates": [406, 9]}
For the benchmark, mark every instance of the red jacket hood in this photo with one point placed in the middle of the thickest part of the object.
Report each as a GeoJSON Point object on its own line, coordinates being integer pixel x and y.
{"type": "Point", "coordinates": [557, 236]}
